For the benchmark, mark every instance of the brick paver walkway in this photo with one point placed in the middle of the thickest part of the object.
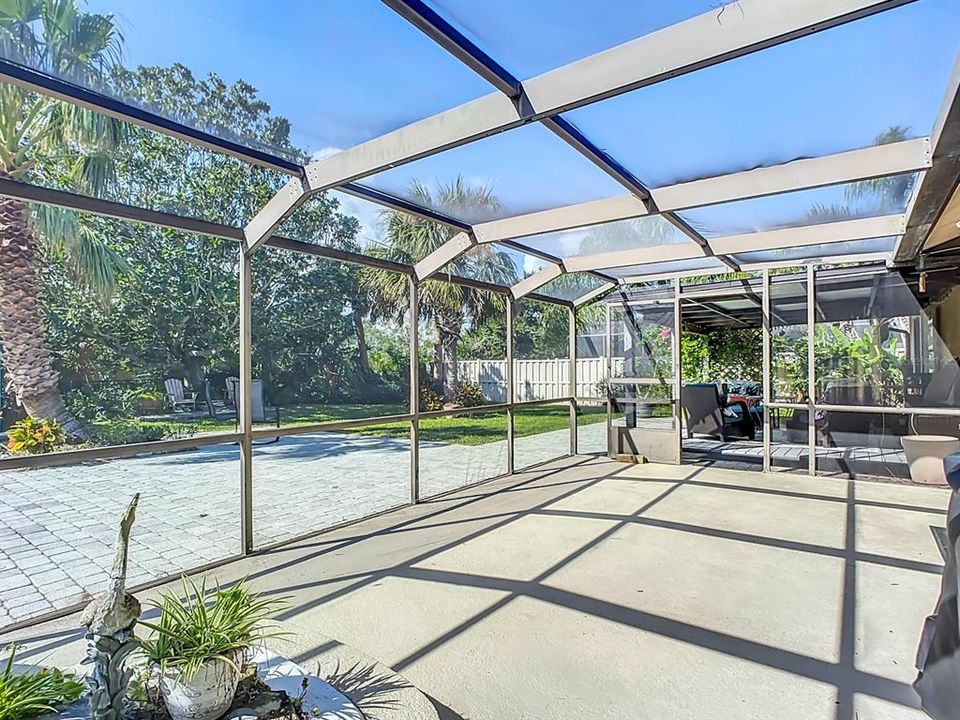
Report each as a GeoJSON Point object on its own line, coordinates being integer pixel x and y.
{"type": "Point", "coordinates": [57, 524]}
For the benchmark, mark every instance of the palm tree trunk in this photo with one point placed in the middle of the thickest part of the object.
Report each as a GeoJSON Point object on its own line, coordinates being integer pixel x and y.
{"type": "Point", "coordinates": [439, 361]}
{"type": "Point", "coordinates": [448, 336]}
{"type": "Point", "coordinates": [26, 357]}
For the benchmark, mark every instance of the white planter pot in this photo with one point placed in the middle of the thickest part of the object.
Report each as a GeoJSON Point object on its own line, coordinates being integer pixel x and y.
{"type": "Point", "coordinates": [925, 454]}
{"type": "Point", "coordinates": [206, 695]}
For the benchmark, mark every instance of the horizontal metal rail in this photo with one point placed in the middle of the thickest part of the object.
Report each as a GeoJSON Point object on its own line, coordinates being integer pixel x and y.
{"type": "Point", "coordinates": [121, 211]}
{"type": "Point", "coordinates": [948, 412]}
{"type": "Point", "coordinates": [262, 432]}
{"type": "Point", "coordinates": [871, 409]}
{"type": "Point", "coordinates": [71, 457]}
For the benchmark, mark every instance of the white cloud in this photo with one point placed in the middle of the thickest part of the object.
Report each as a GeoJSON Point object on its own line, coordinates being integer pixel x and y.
{"type": "Point", "coordinates": [367, 213]}
{"type": "Point", "coordinates": [325, 153]}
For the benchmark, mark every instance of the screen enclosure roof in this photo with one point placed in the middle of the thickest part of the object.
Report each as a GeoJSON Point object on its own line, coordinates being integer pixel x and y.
{"type": "Point", "coordinates": [616, 143]}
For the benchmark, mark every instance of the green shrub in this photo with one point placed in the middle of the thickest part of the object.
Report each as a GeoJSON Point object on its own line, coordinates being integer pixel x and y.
{"type": "Point", "coordinates": [430, 399]}
{"type": "Point", "coordinates": [31, 693]}
{"type": "Point", "coordinates": [99, 402]}
{"type": "Point", "coordinates": [194, 629]}
{"type": "Point", "coordinates": [33, 436]}
{"type": "Point", "coordinates": [469, 394]}
{"type": "Point", "coordinates": [125, 432]}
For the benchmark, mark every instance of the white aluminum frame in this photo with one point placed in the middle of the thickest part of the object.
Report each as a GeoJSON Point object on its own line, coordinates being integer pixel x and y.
{"type": "Point", "coordinates": [697, 43]}
{"type": "Point", "coordinates": [703, 41]}
{"type": "Point", "coordinates": [863, 164]}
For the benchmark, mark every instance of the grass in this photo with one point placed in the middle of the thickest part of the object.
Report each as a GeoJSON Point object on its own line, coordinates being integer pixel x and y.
{"type": "Point", "coordinates": [475, 429]}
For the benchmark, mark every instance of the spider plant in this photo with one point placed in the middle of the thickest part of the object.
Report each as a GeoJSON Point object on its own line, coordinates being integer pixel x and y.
{"type": "Point", "coordinates": [30, 693]}
{"type": "Point", "coordinates": [195, 629]}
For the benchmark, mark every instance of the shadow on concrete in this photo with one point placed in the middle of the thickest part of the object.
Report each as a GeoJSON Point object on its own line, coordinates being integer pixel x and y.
{"type": "Point", "coordinates": [544, 489]}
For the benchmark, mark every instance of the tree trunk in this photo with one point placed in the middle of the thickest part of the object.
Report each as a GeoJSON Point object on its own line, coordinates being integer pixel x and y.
{"type": "Point", "coordinates": [363, 353]}
{"type": "Point", "coordinates": [448, 327]}
{"type": "Point", "coordinates": [439, 362]}
{"type": "Point", "coordinates": [26, 357]}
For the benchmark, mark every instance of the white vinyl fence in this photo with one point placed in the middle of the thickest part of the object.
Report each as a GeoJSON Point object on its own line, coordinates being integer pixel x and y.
{"type": "Point", "coordinates": [536, 379]}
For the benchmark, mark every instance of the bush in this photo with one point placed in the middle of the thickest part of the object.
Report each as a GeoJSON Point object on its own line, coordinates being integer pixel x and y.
{"type": "Point", "coordinates": [33, 436]}
{"type": "Point", "coordinates": [430, 399]}
{"type": "Point", "coordinates": [469, 394]}
{"type": "Point", "coordinates": [125, 432]}
{"type": "Point", "coordinates": [99, 402]}
{"type": "Point", "coordinates": [35, 692]}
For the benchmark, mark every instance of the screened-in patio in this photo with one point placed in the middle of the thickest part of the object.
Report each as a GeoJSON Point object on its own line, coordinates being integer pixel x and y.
{"type": "Point", "coordinates": [284, 270]}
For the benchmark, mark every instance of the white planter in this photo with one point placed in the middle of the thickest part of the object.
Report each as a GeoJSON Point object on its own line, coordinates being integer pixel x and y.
{"type": "Point", "coordinates": [206, 695]}
{"type": "Point", "coordinates": [925, 454]}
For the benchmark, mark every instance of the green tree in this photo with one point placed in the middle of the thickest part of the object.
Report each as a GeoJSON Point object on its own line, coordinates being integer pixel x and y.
{"type": "Point", "coordinates": [446, 305]}
{"type": "Point", "coordinates": [179, 298]}
{"type": "Point", "coordinates": [53, 36]}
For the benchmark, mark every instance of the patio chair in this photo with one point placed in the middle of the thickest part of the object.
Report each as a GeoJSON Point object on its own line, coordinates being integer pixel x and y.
{"type": "Point", "coordinates": [706, 414]}
{"type": "Point", "coordinates": [259, 411]}
{"type": "Point", "coordinates": [177, 396]}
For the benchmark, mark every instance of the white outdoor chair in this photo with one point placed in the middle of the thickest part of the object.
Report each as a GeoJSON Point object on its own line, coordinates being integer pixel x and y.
{"type": "Point", "coordinates": [177, 396]}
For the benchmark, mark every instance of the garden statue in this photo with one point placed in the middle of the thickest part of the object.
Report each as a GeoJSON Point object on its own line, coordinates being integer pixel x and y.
{"type": "Point", "coordinates": [109, 620]}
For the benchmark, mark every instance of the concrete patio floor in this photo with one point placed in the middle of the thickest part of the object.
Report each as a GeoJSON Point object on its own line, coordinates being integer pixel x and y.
{"type": "Point", "coordinates": [587, 588]}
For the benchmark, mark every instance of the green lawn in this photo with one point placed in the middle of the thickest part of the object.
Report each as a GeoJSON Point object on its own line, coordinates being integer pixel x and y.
{"type": "Point", "coordinates": [474, 429]}
{"type": "Point", "coordinates": [482, 428]}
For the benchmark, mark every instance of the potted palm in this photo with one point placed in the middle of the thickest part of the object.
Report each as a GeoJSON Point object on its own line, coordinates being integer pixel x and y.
{"type": "Point", "coordinates": [198, 645]}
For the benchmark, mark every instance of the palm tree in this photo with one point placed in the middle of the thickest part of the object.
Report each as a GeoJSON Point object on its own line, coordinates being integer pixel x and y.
{"type": "Point", "coordinates": [448, 306]}
{"type": "Point", "coordinates": [40, 137]}
{"type": "Point", "coordinates": [883, 195]}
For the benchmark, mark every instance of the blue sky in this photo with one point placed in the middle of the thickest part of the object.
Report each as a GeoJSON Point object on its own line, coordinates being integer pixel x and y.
{"type": "Point", "coordinates": [344, 71]}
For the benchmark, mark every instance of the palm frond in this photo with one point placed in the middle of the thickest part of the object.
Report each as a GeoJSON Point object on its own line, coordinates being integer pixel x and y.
{"type": "Point", "coordinates": [91, 259]}
{"type": "Point", "coordinates": [888, 192]}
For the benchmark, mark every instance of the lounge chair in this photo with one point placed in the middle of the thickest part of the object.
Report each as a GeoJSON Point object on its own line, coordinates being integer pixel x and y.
{"type": "Point", "coordinates": [177, 396]}
{"type": "Point", "coordinates": [706, 413]}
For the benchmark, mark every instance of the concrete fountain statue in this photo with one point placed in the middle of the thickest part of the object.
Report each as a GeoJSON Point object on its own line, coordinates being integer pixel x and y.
{"type": "Point", "coordinates": [109, 620]}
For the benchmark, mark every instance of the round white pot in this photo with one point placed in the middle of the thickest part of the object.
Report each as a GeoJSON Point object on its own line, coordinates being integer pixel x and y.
{"type": "Point", "coordinates": [206, 694]}
{"type": "Point", "coordinates": [925, 454]}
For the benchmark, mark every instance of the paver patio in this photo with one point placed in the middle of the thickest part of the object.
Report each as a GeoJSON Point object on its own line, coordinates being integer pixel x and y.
{"type": "Point", "coordinates": [57, 524]}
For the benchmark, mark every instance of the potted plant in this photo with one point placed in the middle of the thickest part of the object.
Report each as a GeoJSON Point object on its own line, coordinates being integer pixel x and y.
{"type": "Point", "coordinates": [149, 401]}
{"type": "Point", "coordinates": [197, 646]}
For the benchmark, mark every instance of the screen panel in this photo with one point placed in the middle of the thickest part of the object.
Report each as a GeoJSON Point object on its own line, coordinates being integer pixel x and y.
{"type": "Point", "coordinates": [833, 203]}
{"type": "Point", "coordinates": [810, 97]}
{"type": "Point", "coordinates": [233, 56]}
{"type": "Point", "coordinates": [511, 173]}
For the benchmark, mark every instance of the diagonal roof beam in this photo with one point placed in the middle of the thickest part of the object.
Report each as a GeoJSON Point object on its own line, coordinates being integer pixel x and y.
{"type": "Point", "coordinates": [538, 279]}
{"type": "Point", "coordinates": [699, 42]}
{"type": "Point", "coordinates": [594, 294]}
